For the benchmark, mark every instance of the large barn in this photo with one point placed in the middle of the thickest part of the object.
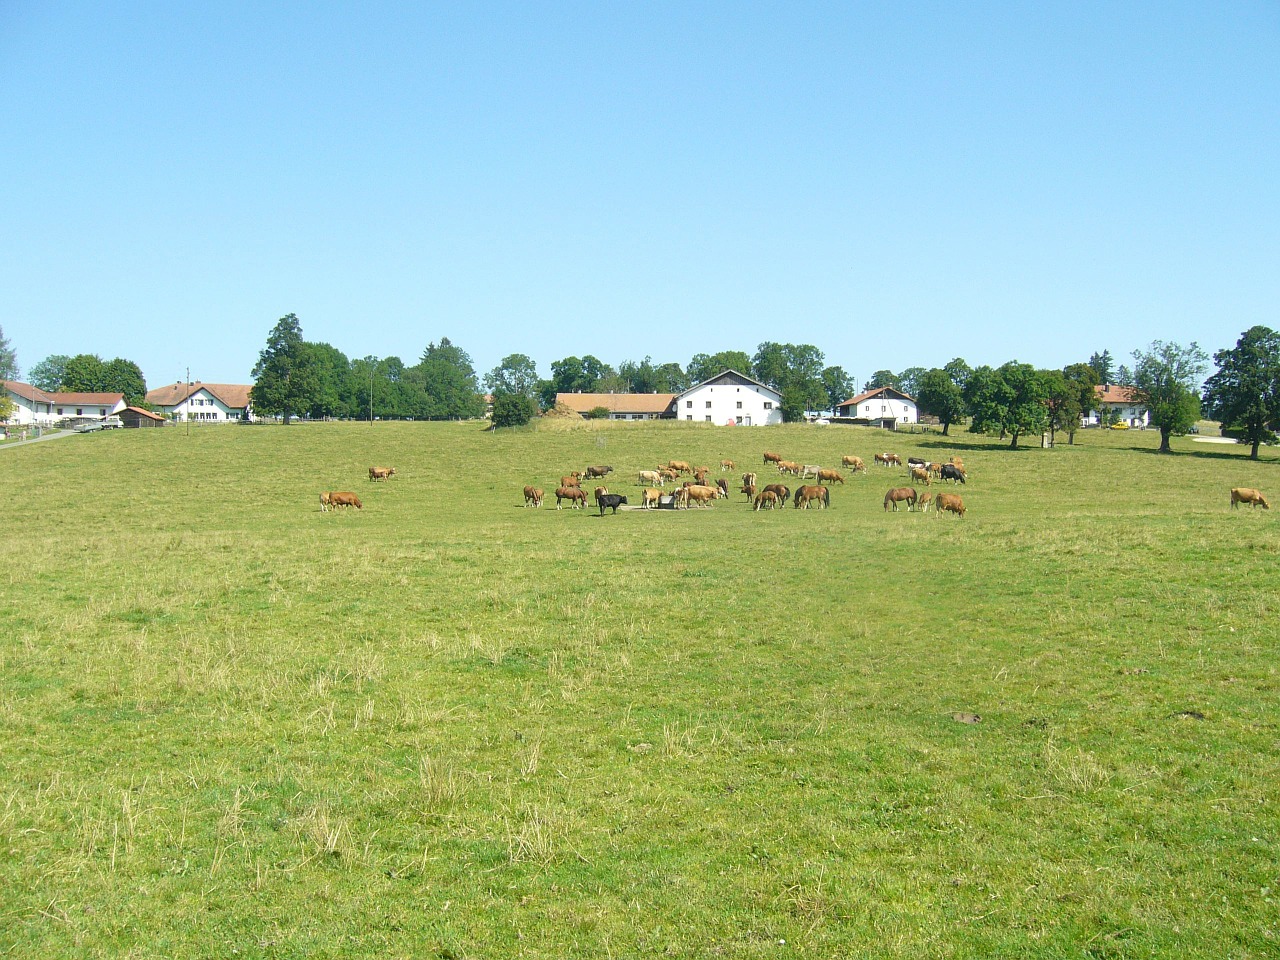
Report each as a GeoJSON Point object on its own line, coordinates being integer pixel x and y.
{"type": "Point", "coordinates": [885, 407]}
{"type": "Point", "coordinates": [730, 398]}
{"type": "Point", "coordinates": [203, 402]}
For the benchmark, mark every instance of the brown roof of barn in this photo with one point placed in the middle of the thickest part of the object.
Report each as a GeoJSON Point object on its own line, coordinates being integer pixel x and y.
{"type": "Point", "coordinates": [233, 395]}
{"type": "Point", "coordinates": [143, 413]}
{"type": "Point", "coordinates": [617, 402]}
{"type": "Point", "coordinates": [876, 392]}
{"type": "Point", "coordinates": [1111, 393]}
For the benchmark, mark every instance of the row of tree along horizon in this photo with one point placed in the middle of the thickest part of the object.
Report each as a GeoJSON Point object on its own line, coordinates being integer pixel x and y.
{"type": "Point", "coordinates": [294, 377]}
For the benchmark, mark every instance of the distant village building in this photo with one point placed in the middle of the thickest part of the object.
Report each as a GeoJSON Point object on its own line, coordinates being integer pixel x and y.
{"type": "Point", "coordinates": [137, 417]}
{"type": "Point", "coordinates": [203, 402]}
{"type": "Point", "coordinates": [621, 406]}
{"type": "Point", "coordinates": [730, 398]}
{"type": "Point", "coordinates": [1121, 405]}
{"type": "Point", "coordinates": [886, 407]}
{"type": "Point", "coordinates": [36, 406]}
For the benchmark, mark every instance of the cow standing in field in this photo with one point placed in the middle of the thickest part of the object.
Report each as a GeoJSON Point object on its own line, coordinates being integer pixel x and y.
{"type": "Point", "coordinates": [830, 476]}
{"type": "Point", "coordinates": [919, 474]}
{"type": "Point", "coordinates": [701, 495]}
{"type": "Point", "coordinates": [597, 473]}
{"type": "Point", "coordinates": [855, 463]}
{"type": "Point", "coordinates": [342, 498]}
{"type": "Point", "coordinates": [750, 490]}
{"type": "Point", "coordinates": [650, 498]}
{"type": "Point", "coordinates": [613, 500]}
{"type": "Point", "coordinates": [381, 473]}
{"type": "Point", "coordinates": [727, 466]}
{"type": "Point", "coordinates": [532, 497]}
{"type": "Point", "coordinates": [772, 457]}
{"type": "Point", "coordinates": [953, 473]}
{"type": "Point", "coordinates": [749, 478]}
{"type": "Point", "coordinates": [576, 496]}
{"type": "Point", "coordinates": [570, 481]}
{"type": "Point", "coordinates": [723, 485]}
{"type": "Point", "coordinates": [948, 503]}
{"type": "Point", "coordinates": [650, 476]}
{"type": "Point", "coordinates": [1250, 496]}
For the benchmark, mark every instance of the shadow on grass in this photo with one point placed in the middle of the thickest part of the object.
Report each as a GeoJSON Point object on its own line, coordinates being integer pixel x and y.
{"type": "Point", "coordinates": [999, 447]}
{"type": "Point", "coordinates": [1232, 453]}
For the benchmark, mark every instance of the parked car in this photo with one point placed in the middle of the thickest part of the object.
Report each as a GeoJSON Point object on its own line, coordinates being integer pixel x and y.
{"type": "Point", "coordinates": [112, 423]}
{"type": "Point", "coordinates": [89, 426]}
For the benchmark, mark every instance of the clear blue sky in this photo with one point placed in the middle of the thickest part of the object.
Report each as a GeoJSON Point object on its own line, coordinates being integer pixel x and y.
{"type": "Point", "coordinates": [897, 184]}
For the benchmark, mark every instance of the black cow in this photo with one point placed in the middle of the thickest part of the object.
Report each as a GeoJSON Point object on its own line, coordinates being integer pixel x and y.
{"type": "Point", "coordinates": [916, 462]}
{"type": "Point", "coordinates": [610, 500]}
{"type": "Point", "coordinates": [952, 472]}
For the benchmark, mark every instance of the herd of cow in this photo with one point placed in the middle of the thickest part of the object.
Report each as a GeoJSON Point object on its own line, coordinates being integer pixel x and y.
{"type": "Point", "coordinates": [699, 492]}
{"type": "Point", "coordinates": [333, 499]}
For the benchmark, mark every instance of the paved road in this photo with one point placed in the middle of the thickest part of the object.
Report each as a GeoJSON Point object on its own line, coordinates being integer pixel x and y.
{"type": "Point", "coordinates": [47, 435]}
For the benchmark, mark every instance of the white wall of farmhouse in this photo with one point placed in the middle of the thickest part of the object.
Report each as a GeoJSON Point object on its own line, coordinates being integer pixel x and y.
{"type": "Point", "coordinates": [204, 406]}
{"type": "Point", "coordinates": [747, 405]}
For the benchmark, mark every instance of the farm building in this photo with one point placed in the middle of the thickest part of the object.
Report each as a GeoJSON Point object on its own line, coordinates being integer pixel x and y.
{"type": "Point", "coordinates": [39, 406]}
{"type": "Point", "coordinates": [883, 407]}
{"type": "Point", "coordinates": [621, 406]}
{"type": "Point", "coordinates": [1120, 404]}
{"type": "Point", "coordinates": [203, 402]}
{"type": "Point", "coordinates": [137, 417]}
{"type": "Point", "coordinates": [730, 398]}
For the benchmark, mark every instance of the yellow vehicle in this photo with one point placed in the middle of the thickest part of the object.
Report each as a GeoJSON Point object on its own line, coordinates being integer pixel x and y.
{"type": "Point", "coordinates": [1119, 426]}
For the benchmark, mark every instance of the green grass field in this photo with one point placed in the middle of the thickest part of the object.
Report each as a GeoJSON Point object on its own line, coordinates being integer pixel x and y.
{"type": "Point", "coordinates": [448, 726]}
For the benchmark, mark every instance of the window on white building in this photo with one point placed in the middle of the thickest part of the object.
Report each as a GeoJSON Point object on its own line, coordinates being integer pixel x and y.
{"type": "Point", "coordinates": [768, 405]}
{"type": "Point", "coordinates": [707, 418]}
{"type": "Point", "coordinates": [739, 404]}
{"type": "Point", "coordinates": [708, 404]}
{"type": "Point", "coordinates": [688, 404]}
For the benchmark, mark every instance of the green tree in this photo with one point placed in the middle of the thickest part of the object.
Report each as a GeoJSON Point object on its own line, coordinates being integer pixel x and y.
{"type": "Point", "coordinates": [1062, 399]}
{"type": "Point", "coordinates": [644, 377]}
{"type": "Point", "coordinates": [1010, 399]}
{"type": "Point", "coordinates": [512, 410]}
{"type": "Point", "coordinates": [124, 376]}
{"type": "Point", "coordinates": [1165, 380]}
{"type": "Point", "coordinates": [331, 368]}
{"type": "Point", "coordinates": [578, 374]}
{"type": "Point", "coordinates": [793, 405]}
{"type": "Point", "coordinates": [959, 372]}
{"type": "Point", "coordinates": [882, 378]}
{"type": "Point", "coordinates": [705, 366]}
{"type": "Point", "coordinates": [1102, 366]}
{"type": "Point", "coordinates": [1245, 392]}
{"type": "Point", "coordinates": [449, 382]}
{"type": "Point", "coordinates": [909, 380]}
{"type": "Point", "coordinates": [48, 373]}
{"type": "Point", "coordinates": [285, 378]}
{"type": "Point", "coordinates": [940, 396]}
{"type": "Point", "coordinates": [7, 407]}
{"type": "Point", "coordinates": [1083, 378]}
{"type": "Point", "coordinates": [797, 367]}
{"type": "Point", "coordinates": [838, 385]}
{"type": "Point", "coordinates": [8, 359]}
{"type": "Point", "coordinates": [83, 374]}
{"type": "Point", "coordinates": [516, 374]}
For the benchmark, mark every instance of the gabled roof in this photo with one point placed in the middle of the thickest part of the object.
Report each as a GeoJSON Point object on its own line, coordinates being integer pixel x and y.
{"type": "Point", "coordinates": [232, 395]}
{"type": "Point", "coordinates": [26, 391]}
{"type": "Point", "coordinates": [617, 402]}
{"type": "Point", "coordinates": [889, 392]}
{"type": "Point", "coordinates": [1112, 393]}
{"type": "Point", "coordinates": [731, 377]}
{"type": "Point", "coordinates": [143, 413]}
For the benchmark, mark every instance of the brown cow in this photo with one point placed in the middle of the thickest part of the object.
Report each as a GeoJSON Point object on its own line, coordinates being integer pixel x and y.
{"type": "Point", "coordinates": [948, 502]}
{"type": "Point", "coordinates": [819, 494]}
{"type": "Point", "coordinates": [723, 485]}
{"type": "Point", "coordinates": [679, 466]}
{"type": "Point", "coordinates": [899, 494]}
{"type": "Point", "coordinates": [576, 496]}
{"type": "Point", "coordinates": [789, 466]}
{"type": "Point", "coordinates": [1248, 495]}
{"type": "Point", "coordinates": [570, 481]}
{"type": "Point", "coordinates": [772, 457]}
{"type": "Point", "coordinates": [766, 498]}
{"type": "Point", "coordinates": [700, 475]}
{"type": "Point", "coordinates": [727, 466]}
{"type": "Point", "coordinates": [340, 498]}
{"type": "Point", "coordinates": [854, 462]}
{"type": "Point", "coordinates": [650, 497]}
{"type": "Point", "coordinates": [749, 478]}
{"type": "Point", "coordinates": [598, 473]}
{"type": "Point", "coordinates": [650, 476]}
{"type": "Point", "coordinates": [920, 473]}
{"type": "Point", "coordinates": [666, 473]}
{"type": "Point", "coordinates": [831, 476]}
{"type": "Point", "coordinates": [532, 497]}
{"type": "Point", "coordinates": [750, 490]}
{"type": "Point", "coordinates": [381, 473]}
{"type": "Point", "coordinates": [702, 496]}
{"type": "Point", "coordinates": [922, 502]}
{"type": "Point", "coordinates": [324, 502]}
{"type": "Point", "coordinates": [600, 492]}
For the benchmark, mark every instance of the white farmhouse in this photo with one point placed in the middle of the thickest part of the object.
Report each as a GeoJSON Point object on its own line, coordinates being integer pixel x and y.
{"type": "Point", "coordinates": [203, 402]}
{"type": "Point", "coordinates": [36, 406]}
{"type": "Point", "coordinates": [730, 398]}
{"type": "Point", "coordinates": [1121, 405]}
{"type": "Point", "coordinates": [884, 407]}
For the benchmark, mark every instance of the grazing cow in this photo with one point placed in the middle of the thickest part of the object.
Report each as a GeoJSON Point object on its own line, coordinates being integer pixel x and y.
{"type": "Point", "coordinates": [599, 492]}
{"type": "Point", "coordinates": [324, 502]}
{"type": "Point", "coordinates": [920, 473]}
{"type": "Point", "coordinates": [344, 499]}
{"type": "Point", "coordinates": [935, 469]}
{"type": "Point", "coordinates": [650, 476]}
{"type": "Point", "coordinates": [772, 457]}
{"type": "Point", "coordinates": [749, 478]}
{"type": "Point", "coordinates": [1250, 496]}
{"type": "Point", "coordinates": [650, 498]}
{"type": "Point", "coordinates": [916, 462]}
{"type": "Point", "coordinates": [613, 500]}
{"type": "Point", "coordinates": [948, 502]}
{"type": "Point", "coordinates": [576, 496]}
{"type": "Point", "coordinates": [532, 497]}
{"type": "Point", "coordinates": [702, 496]}
{"type": "Point", "coordinates": [750, 490]}
{"type": "Point", "coordinates": [953, 473]}
{"type": "Point", "coordinates": [680, 497]}
{"type": "Point", "coordinates": [882, 459]}
{"type": "Point", "coordinates": [819, 494]}
{"type": "Point", "coordinates": [700, 475]}
{"type": "Point", "coordinates": [723, 486]}
{"type": "Point", "coordinates": [381, 473]}
{"type": "Point", "coordinates": [679, 466]}
{"type": "Point", "coordinates": [666, 473]}
{"type": "Point", "coordinates": [727, 466]}
{"type": "Point", "coordinates": [767, 498]}
{"type": "Point", "coordinates": [782, 492]}
{"type": "Point", "coordinates": [831, 476]}
{"type": "Point", "coordinates": [854, 462]}
{"type": "Point", "coordinates": [810, 471]}
{"type": "Point", "coordinates": [593, 473]}
{"type": "Point", "coordinates": [899, 494]}
{"type": "Point", "coordinates": [570, 481]}
{"type": "Point", "coordinates": [789, 466]}
{"type": "Point", "coordinates": [922, 502]}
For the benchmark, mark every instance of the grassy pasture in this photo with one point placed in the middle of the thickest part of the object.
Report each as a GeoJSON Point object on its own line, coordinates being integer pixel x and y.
{"type": "Point", "coordinates": [448, 726]}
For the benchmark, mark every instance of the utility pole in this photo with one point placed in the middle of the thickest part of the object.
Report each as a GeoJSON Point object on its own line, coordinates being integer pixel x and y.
{"type": "Point", "coordinates": [187, 415]}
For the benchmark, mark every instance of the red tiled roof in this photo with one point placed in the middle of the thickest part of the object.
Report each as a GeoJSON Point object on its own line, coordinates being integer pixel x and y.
{"type": "Point", "coordinates": [617, 402]}
{"type": "Point", "coordinates": [876, 392]}
{"type": "Point", "coordinates": [1111, 393]}
{"type": "Point", "coordinates": [232, 395]}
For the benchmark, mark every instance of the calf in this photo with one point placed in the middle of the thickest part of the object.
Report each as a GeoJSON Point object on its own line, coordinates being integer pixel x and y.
{"type": "Point", "coordinates": [922, 502]}
{"type": "Point", "coordinates": [750, 490]}
{"type": "Point", "coordinates": [723, 485]}
{"type": "Point", "coordinates": [532, 497]}
{"type": "Point", "coordinates": [1250, 496]}
{"type": "Point", "coordinates": [613, 500]}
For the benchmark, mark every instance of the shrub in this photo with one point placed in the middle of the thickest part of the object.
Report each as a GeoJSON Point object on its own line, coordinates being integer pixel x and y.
{"type": "Point", "coordinates": [512, 410]}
